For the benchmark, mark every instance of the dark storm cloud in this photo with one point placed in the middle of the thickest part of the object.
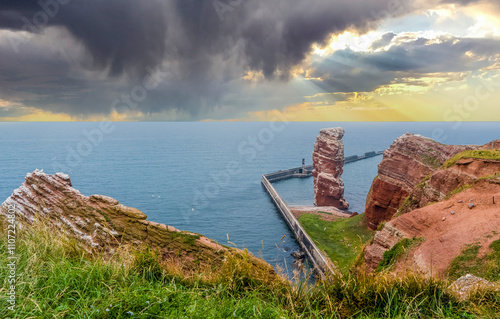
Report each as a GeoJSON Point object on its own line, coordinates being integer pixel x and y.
{"type": "Point", "coordinates": [348, 71]}
{"type": "Point", "coordinates": [204, 47]}
{"type": "Point", "coordinates": [131, 34]}
{"type": "Point", "coordinates": [385, 40]}
{"type": "Point", "coordinates": [124, 35]}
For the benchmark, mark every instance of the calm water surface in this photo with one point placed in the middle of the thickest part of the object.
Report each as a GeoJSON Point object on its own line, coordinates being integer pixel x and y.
{"type": "Point", "coordinates": [205, 177]}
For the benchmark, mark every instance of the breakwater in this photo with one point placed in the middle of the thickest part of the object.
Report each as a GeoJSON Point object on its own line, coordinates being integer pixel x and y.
{"type": "Point", "coordinates": [319, 261]}
{"type": "Point", "coordinates": [306, 171]}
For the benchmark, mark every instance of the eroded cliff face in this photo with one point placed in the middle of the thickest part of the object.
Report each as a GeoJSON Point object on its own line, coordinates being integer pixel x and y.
{"type": "Point", "coordinates": [405, 164]}
{"type": "Point", "coordinates": [328, 162]}
{"type": "Point", "coordinates": [446, 227]}
{"type": "Point", "coordinates": [101, 222]}
{"type": "Point", "coordinates": [437, 186]}
{"type": "Point", "coordinates": [450, 208]}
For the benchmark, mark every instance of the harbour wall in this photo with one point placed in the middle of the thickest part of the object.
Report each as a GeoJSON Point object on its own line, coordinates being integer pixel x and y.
{"type": "Point", "coordinates": [320, 262]}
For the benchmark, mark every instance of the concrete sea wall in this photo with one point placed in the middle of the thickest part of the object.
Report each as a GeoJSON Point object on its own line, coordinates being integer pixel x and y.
{"type": "Point", "coordinates": [320, 262]}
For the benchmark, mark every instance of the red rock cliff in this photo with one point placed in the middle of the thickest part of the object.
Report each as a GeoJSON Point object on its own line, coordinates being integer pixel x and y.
{"type": "Point", "coordinates": [328, 161]}
{"type": "Point", "coordinates": [454, 207]}
{"type": "Point", "coordinates": [101, 222]}
{"type": "Point", "coordinates": [405, 164]}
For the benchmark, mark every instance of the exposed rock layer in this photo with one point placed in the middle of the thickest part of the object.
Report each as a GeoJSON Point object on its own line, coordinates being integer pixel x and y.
{"type": "Point", "coordinates": [328, 162]}
{"type": "Point", "coordinates": [465, 285]}
{"type": "Point", "coordinates": [450, 209]}
{"type": "Point", "coordinates": [101, 222]}
{"type": "Point", "coordinates": [405, 164]}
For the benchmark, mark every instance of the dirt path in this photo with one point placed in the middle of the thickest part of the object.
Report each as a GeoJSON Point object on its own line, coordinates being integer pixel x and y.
{"type": "Point", "coordinates": [446, 234]}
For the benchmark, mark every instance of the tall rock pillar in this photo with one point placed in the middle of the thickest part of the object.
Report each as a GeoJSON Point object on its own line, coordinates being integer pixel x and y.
{"type": "Point", "coordinates": [328, 162]}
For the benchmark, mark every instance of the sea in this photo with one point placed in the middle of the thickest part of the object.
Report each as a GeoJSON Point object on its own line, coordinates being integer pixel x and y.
{"type": "Point", "coordinates": [205, 177]}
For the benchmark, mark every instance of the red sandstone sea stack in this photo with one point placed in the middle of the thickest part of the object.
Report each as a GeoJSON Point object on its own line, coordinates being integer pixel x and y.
{"type": "Point", "coordinates": [328, 161]}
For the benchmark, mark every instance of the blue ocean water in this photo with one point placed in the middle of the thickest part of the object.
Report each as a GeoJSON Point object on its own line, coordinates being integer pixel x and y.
{"type": "Point", "coordinates": [205, 177]}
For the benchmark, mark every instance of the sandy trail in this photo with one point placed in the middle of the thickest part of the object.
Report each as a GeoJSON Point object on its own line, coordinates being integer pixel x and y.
{"type": "Point", "coordinates": [446, 234]}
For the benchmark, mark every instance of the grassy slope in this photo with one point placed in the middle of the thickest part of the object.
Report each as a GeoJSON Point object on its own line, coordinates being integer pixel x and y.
{"type": "Point", "coordinates": [482, 154]}
{"type": "Point", "coordinates": [392, 255]}
{"type": "Point", "coordinates": [487, 266]}
{"type": "Point", "coordinates": [56, 279]}
{"type": "Point", "coordinates": [341, 240]}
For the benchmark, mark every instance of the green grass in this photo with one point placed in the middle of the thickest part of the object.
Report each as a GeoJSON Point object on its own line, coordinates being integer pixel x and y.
{"type": "Point", "coordinates": [432, 161]}
{"type": "Point", "coordinates": [408, 205]}
{"type": "Point", "coordinates": [187, 238]}
{"type": "Point", "coordinates": [458, 190]}
{"type": "Point", "coordinates": [468, 186]}
{"type": "Point", "coordinates": [481, 154]}
{"type": "Point", "coordinates": [381, 226]}
{"type": "Point", "coordinates": [342, 240]}
{"type": "Point", "coordinates": [421, 185]}
{"type": "Point", "coordinates": [489, 177]}
{"type": "Point", "coordinates": [468, 262]}
{"type": "Point", "coordinates": [56, 278]}
{"type": "Point", "coordinates": [325, 213]}
{"type": "Point", "coordinates": [398, 250]}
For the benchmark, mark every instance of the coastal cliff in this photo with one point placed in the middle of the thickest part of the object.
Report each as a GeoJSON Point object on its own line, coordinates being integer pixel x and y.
{"type": "Point", "coordinates": [328, 162]}
{"type": "Point", "coordinates": [450, 208]}
{"type": "Point", "coordinates": [407, 161]}
{"type": "Point", "coordinates": [102, 223]}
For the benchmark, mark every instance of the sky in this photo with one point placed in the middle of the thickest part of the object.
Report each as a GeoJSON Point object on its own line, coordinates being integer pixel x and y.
{"type": "Point", "coordinates": [249, 60]}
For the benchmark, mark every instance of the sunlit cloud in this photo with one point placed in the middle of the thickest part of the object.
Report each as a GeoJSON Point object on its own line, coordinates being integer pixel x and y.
{"type": "Point", "coordinates": [37, 115]}
{"type": "Point", "coordinates": [348, 40]}
{"type": "Point", "coordinates": [320, 60]}
{"type": "Point", "coordinates": [5, 104]}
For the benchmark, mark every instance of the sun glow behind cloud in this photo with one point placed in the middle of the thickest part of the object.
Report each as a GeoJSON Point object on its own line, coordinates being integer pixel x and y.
{"type": "Point", "coordinates": [425, 97]}
{"type": "Point", "coordinates": [39, 116]}
{"type": "Point", "coordinates": [348, 40]}
{"type": "Point", "coordinates": [411, 66]}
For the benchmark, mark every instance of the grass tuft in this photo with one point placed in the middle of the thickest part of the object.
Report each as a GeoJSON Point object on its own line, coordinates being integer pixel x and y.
{"type": "Point", "coordinates": [187, 238]}
{"type": "Point", "coordinates": [468, 262]}
{"type": "Point", "coordinates": [429, 160]}
{"type": "Point", "coordinates": [458, 190]}
{"type": "Point", "coordinates": [58, 278]}
{"type": "Point", "coordinates": [481, 154]}
{"type": "Point", "coordinates": [392, 255]}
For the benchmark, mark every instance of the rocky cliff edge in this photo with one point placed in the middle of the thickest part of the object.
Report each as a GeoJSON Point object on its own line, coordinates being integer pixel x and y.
{"type": "Point", "coordinates": [450, 207]}
{"type": "Point", "coordinates": [405, 163]}
{"type": "Point", "coordinates": [102, 223]}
